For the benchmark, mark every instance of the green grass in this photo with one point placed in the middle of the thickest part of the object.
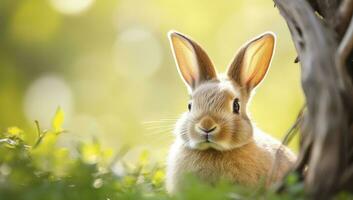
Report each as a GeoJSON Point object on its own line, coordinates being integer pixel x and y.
{"type": "Point", "coordinates": [44, 170]}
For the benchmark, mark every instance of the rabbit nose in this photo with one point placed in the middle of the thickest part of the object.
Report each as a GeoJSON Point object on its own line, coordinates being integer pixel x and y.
{"type": "Point", "coordinates": [207, 125]}
{"type": "Point", "coordinates": [208, 134]}
{"type": "Point", "coordinates": [208, 130]}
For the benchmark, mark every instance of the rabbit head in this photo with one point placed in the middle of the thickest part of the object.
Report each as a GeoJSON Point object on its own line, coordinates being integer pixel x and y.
{"type": "Point", "coordinates": [217, 116]}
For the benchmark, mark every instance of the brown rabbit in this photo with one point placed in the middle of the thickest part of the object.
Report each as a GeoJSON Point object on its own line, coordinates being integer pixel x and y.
{"type": "Point", "coordinates": [215, 139]}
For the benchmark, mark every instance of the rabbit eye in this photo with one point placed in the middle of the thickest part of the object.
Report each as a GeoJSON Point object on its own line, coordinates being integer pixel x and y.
{"type": "Point", "coordinates": [236, 106]}
{"type": "Point", "coordinates": [189, 106]}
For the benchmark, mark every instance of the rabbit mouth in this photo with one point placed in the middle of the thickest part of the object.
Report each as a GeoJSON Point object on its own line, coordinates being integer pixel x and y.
{"type": "Point", "coordinates": [207, 144]}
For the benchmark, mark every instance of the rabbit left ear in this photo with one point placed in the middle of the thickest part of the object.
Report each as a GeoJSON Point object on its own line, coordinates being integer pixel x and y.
{"type": "Point", "coordinates": [193, 63]}
{"type": "Point", "coordinates": [252, 61]}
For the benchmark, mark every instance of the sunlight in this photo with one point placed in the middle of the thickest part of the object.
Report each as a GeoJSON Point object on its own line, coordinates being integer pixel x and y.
{"type": "Point", "coordinates": [44, 96]}
{"type": "Point", "coordinates": [71, 7]}
{"type": "Point", "coordinates": [137, 53]}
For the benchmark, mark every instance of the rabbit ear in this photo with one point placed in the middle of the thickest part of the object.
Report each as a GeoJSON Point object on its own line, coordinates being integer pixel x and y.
{"type": "Point", "coordinates": [193, 64]}
{"type": "Point", "coordinates": [252, 61]}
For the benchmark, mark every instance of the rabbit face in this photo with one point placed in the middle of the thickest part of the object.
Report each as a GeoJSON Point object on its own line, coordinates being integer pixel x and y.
{"type": "Point", "coordinates": [212, 121]}
{"type": "Point", "coordinates": [217, 115]}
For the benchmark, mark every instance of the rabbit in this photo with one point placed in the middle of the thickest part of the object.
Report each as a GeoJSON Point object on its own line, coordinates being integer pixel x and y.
{"type": "Point", "coordinates": [215, 139]}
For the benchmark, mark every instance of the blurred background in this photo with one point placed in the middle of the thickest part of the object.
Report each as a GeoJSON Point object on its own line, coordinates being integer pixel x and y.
{"type": "Point", "coordinates": [108, 65]}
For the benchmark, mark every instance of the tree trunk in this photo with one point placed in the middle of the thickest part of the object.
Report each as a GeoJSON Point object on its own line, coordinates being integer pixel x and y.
{"type": "Point", "coordinates": [322, 32]}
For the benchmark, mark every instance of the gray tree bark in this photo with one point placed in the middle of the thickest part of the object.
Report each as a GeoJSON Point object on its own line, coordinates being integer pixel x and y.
{"type": "Point", "coordinates": [322, 32]}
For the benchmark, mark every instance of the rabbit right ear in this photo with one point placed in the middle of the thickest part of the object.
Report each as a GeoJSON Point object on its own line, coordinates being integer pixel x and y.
{"type": "Point", "coordinates": [252, 61]}
{"type": "Point", "coordinates": [193, 64]}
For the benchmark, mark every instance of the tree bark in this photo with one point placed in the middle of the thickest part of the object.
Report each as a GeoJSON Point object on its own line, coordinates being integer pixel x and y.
{"type": "Point", "coordinates": [322, 32]}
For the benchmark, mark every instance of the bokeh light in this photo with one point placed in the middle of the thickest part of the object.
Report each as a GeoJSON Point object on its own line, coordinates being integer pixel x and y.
{"type": "Point", "coordinates": [137, 53]}
{"type": "Point", "coordinates": [71, 7]}
{"type": "Point", "coordinates": [44, 96]}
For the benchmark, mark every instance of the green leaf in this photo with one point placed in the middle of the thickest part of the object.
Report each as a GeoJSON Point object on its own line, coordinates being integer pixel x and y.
{"type": "Point", "coordinates": [58, 120]}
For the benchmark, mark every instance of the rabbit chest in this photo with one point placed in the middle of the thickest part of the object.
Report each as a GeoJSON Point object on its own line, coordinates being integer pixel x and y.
{"type": "Point", "coordinates": [246, 165]}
